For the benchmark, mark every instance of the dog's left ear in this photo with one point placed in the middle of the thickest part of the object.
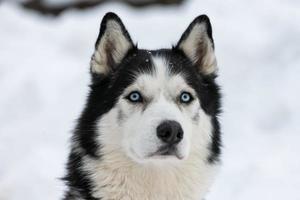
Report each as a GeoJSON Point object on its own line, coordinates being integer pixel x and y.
{"type": "Point", "coordinates": [197, 44]}
{"type": "Point", "coordinates": [112, 45]}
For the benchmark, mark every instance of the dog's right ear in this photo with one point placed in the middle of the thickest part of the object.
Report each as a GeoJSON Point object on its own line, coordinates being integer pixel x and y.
{"type": "Point", "coordinates": [112, 45]}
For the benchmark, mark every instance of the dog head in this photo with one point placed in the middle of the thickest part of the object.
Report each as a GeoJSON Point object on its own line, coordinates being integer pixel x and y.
{"type": "Point", "coordinates": [152, 105]}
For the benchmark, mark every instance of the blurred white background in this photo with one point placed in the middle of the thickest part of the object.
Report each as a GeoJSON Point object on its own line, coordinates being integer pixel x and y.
{"type": "Point", "coordinates": [44, 77]}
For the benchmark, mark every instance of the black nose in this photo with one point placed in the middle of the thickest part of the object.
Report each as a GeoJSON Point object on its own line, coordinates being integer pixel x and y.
{"type": "Point", "coordinates": [170, 132]}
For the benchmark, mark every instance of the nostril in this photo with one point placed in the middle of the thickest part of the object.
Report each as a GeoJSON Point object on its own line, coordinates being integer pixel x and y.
{"type": "Point", "coordinates": [180, 134]}
{"type": "Point", "coordinates": [165, 133]}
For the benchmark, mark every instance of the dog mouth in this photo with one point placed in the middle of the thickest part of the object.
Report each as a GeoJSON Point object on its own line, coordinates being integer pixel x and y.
{"type": "Point", "coordinates": [167, 151]}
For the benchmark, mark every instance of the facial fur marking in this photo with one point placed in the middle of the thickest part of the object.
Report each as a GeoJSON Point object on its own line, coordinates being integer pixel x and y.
{"type": "Point", "coordinates": [120, 116]}
{"type": "Point", "coordinates": [196, 117]}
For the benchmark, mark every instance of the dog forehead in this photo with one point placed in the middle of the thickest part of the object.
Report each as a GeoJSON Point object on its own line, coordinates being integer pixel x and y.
{"type": "Point", "coordinates": [162, 79]}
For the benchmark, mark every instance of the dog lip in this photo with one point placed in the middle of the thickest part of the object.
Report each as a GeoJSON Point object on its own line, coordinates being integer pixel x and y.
{"type": "Point", "coordinates": [168, 150]}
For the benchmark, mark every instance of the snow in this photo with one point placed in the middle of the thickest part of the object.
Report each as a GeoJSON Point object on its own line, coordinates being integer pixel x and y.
{"type": "Point", "coordinates": [44, 80]}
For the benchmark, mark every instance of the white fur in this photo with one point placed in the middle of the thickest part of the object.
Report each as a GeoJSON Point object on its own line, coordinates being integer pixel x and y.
{"type": "Point", "coordinates": [113, 35]}
{"type": "Point", "coordinates": [124, 171]}
{"type": "Point", "coordinates": [196, 40]}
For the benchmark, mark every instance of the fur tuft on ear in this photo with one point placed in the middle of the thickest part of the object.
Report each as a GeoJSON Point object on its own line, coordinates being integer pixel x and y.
{"type": "Point", "coordinates": [197, 44]}
{"type": "Point", "coordinates": [112, 45]}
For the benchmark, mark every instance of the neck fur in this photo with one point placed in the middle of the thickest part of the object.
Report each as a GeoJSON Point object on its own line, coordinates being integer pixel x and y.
{"type": "Point", "coordinates": [117, 177]}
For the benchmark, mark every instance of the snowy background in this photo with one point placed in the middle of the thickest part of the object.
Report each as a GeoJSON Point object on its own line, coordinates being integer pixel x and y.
{"type": "Point", "coordinates": [44, 64]}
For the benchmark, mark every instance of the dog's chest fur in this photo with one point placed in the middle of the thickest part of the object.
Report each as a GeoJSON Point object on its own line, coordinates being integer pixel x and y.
{"type": "Point", "coordinates": [117, 178]}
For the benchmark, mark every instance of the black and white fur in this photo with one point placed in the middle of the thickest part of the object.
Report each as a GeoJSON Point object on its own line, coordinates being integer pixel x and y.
{"type": "Point", "coordinates": [116, 152]}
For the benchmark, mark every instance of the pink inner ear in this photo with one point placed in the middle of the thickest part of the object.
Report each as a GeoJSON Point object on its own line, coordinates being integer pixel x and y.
{"type": "Point", "coordinates": [112, 45]}
{"type": "Point", "coordinates": [198, 47]}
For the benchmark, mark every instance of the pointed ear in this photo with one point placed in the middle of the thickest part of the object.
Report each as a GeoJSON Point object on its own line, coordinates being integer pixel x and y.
{"type": "Point", "coordinates": [112, 45]}
{"type": "Point", "coordinates": [197, 44]}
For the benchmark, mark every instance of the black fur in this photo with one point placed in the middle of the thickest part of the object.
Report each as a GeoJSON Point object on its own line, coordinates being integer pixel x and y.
{"type": "Point", "coordinates": [77, 180]}
{"type": "Point", "coordinates": [105, 90]}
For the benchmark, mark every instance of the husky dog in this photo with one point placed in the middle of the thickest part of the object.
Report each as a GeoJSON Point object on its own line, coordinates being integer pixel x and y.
{"type": "Point", "coordinates": [150, 129]}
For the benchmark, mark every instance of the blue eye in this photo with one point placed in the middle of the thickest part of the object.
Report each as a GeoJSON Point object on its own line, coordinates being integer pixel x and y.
{"type": "Point", "coordinates": [135, 97]}
{"type": "Point", "coordinates": [185, 97]}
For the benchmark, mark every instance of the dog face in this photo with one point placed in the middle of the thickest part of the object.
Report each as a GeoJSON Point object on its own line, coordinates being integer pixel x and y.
{"type": "Point", "coordinates": [152, 105]}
